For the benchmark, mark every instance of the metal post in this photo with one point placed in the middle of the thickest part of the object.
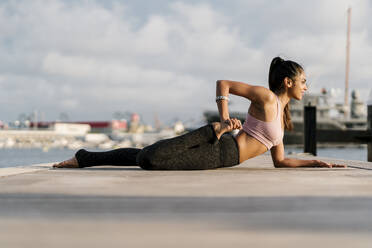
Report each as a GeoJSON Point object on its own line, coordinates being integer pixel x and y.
{"type": "Point", "coordinates": [346, 101]}
{"type": "Point", "coordinates": [369, 129]}
{"type": "Point", "coordinates": [310, 129]}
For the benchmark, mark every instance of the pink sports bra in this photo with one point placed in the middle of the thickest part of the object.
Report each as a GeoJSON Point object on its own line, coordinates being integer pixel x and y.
{"type": "Point", "coordinates": [268, 133]}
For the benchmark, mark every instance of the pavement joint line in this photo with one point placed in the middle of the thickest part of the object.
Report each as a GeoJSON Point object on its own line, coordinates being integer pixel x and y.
{"type": "Point", "coordinates": [360, 168]}
{"type": "Point", "coordinates": [12, 171]}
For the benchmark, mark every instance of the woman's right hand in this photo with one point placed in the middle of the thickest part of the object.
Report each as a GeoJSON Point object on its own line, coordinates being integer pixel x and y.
{"type": "Point", "coordinates": [226, 126]}
{"type": "Point", "coordinates": [230, 124]}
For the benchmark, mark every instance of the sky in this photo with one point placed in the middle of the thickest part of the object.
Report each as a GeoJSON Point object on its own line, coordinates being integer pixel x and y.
{"type": "Point", "coordinates": [90, 60]}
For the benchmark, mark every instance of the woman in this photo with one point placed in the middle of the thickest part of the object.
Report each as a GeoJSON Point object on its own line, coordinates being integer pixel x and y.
{"type": "Point", "coordinates": [212, 146]}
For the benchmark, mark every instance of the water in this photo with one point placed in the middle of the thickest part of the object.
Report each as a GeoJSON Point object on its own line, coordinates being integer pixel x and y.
{"type": "Point", "coordinates": [29, 156]}
{"type": "Point", "coordinates": [349, 153]}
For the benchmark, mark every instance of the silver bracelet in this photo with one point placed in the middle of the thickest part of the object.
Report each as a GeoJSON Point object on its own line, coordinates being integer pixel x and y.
{"type": "Point", "coordinates": [222, 98]}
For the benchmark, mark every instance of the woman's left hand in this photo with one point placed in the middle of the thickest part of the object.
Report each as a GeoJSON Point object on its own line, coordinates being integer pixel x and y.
{"type": "Point", "coordinates": [319, 163]}
{"type": "Point", "coordinates": [236, 124]}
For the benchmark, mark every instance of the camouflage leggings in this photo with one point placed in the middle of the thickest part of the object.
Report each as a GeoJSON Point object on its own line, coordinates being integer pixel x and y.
{"type": "Point", "coordinates": [197, 150]}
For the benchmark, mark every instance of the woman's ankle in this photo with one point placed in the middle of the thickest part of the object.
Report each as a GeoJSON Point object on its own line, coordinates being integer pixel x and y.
{"type": "Point", "coordinates": [217, 129]}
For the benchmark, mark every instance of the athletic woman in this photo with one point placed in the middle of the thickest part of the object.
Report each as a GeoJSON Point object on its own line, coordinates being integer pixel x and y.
{"type": "Point", "coordinates": [212, 146]}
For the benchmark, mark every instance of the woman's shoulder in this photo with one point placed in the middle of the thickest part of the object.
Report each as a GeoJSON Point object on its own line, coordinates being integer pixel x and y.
{"type": "Point", "coordinates": [266, 96]}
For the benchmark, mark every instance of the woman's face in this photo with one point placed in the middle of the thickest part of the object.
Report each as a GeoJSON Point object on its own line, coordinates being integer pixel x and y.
{"type": "Point", "coordinates": [299, 86]}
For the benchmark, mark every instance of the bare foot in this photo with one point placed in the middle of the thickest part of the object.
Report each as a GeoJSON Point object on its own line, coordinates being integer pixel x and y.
{"type": "Point", "coordinates": [70, 163]}
{"type": "Point", "coordinates": [220, 128]}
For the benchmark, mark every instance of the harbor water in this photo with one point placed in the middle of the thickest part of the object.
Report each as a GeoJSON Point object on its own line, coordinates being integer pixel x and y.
{"type": "Point", "coordinates": [358, 153]}
{"type": "Point", "coordinates": [28, 156]}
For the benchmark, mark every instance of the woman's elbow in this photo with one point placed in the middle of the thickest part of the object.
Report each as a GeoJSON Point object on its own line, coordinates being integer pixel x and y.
{"type": "Point", "coordinates": [277, 165]}
{"type": "Point", "coordinates": [219, 82]}
{"type": "Point", "coordinates": [280, 164]}
{"type": "Point", "coordinates": [222, 81]}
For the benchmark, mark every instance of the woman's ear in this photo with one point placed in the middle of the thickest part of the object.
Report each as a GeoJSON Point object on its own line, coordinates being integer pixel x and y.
{"type": "Point", "coordinates": [288, 82]}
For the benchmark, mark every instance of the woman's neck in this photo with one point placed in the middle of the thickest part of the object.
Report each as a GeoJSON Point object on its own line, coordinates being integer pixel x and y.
{"type": "Point", "coordinates": [284, 99]}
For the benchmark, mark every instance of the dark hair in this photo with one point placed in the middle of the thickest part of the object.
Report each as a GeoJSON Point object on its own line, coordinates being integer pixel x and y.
{"type": "Point", "coordinates": [279, 70]}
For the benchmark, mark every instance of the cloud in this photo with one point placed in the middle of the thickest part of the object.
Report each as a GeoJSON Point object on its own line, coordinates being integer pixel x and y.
{"type": "Point", "coordinates": [92, 58]}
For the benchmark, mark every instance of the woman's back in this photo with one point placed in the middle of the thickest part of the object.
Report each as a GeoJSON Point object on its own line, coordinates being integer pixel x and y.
{"type": "Point", "coordinates": [262, 129]}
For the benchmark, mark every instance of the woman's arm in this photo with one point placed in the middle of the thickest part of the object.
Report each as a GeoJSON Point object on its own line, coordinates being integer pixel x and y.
{"type": "Point", "coordinates": [222, 89]}
{"type": "Point", "coordinates": [256, 94]}
{"type": "Point", "coordinates": [277, 154]}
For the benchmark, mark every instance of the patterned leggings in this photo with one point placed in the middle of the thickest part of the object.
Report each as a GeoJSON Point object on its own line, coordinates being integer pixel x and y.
{"type": "Point", "coordinates": [197, 150]}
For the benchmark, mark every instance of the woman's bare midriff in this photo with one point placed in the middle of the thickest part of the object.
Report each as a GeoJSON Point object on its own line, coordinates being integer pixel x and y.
{"type": "Point", "coordinates": [249, 147]}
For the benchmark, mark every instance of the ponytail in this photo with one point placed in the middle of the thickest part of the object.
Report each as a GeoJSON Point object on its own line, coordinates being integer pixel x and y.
{"type": "Point", "coordinates": [288, 125]}
{"type": "Point", "coordinates": [280, 69]}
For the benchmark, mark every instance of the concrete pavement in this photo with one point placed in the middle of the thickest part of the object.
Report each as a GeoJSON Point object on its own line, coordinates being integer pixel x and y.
{"type": "Point", "coordinates": [250, 205]}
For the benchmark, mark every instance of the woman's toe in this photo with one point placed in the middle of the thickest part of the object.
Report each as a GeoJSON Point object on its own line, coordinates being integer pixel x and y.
{"type": "Point", "coordinates": [71, 163]}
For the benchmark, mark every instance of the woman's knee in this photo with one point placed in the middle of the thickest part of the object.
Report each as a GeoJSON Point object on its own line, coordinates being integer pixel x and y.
{"type": "Point", "coordinates": [145, 158]}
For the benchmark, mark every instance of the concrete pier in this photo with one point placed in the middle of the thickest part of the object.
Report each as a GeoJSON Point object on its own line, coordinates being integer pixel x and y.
{"type": "Point", "coordinates": [250, 205]}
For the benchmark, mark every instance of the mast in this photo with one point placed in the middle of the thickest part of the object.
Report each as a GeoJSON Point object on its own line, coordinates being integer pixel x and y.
{"type": "Point", "coordinates": [346, 101]}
